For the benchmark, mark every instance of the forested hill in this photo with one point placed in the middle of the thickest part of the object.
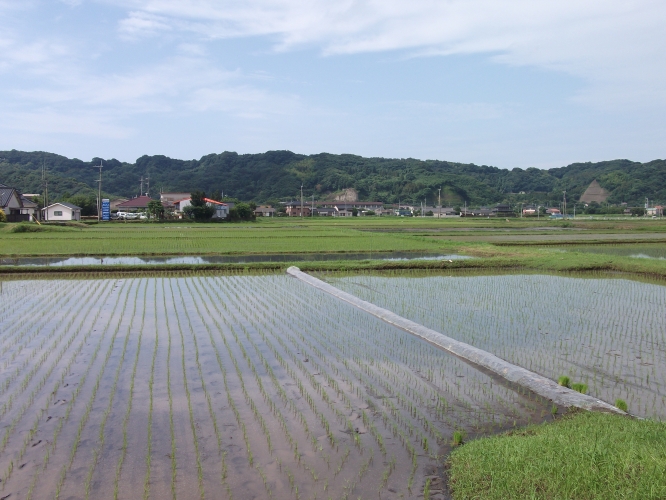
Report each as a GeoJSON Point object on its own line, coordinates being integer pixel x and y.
{"type": "Point", "coordinates": [279, 174]}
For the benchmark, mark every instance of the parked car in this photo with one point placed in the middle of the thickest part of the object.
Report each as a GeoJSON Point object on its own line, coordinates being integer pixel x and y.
{"type": "Point", "coordinates": [131, 216]}
{"type": "Point", "coordinates": [121, 215]}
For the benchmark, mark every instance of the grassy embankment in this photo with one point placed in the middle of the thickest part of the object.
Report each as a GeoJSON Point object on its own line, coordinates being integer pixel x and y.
{"type": "Point", "coordinates": [582, 456]}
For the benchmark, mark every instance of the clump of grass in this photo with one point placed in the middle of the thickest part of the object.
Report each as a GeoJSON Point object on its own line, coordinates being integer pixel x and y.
{"type": "Point", "coordinates": [564, 381]}
{"type": "Point", "coordinates": [621, 404]}
{"type": "Point", "coordinates": [458, 438]}
{"type": "Point", "coordinates": [580, 387]}
{"type": "Point", "coordinates": [581, 455]}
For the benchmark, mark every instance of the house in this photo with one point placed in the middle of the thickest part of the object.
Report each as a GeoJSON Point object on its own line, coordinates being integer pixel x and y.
{"type": "Point", "coordinates": [553, 211]}
{"type": "Point", "coordinates": [502, 210]}
{"type": "Point", "coordinates": [657, 211]}
{"type": "Point", "coordinates": [61, 211]}
{"type": "Point", "coordinates": [264, 211]}
{"type": "Point", "coordinates": [403, 212]}
{"type": "Point", "coordinates": [29, 207]}
{"type": "Point", "coordinates": [172, 198]}
{"type": "Point", "coordinates": [441, 211]}
{"type": "Point", "coordinates": [113, 206]}
{"type": "Point", "coordinates": [475, 212]}
{"type": "Point", "coordinates": [325, 212]}
{"type": "Point", "coordinates": [295, 209]}
{"type": "Point", "coordinates": [359, 205]}
{"type": "Point", "coordinates": [221, 209]}
{"type": "Point", "coordinates": [529, 210]}
{"type": "Point", "coordinates": [10, 203]}
{"type": "Point", "coordinates": [138, 203]}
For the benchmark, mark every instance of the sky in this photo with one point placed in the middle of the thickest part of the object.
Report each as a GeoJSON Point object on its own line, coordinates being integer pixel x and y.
{"type": "Point", "coordinates": [509, 83]}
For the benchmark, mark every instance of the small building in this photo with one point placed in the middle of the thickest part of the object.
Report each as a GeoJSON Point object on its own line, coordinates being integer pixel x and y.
{"type": "Point", "coordinates": [221, 209]}
{"type": "Point", "coordinates": [138, 203]}
{"type": "Point", "coordinates": [553, 211]}
{"type": "Point", "coordinates": [113, 205]}
{"type": "Point", "coordinates": [29, 207]}
{"type": "Point", "coordinates": [325, 212]}
{"type": "Point", "coordinates": [502, 210]}
{"type": "Point", "coordinates": [529, 210]}
{"type": "Point", "coordinates": [264, 211]}
{"type": "Point", "coordinates": [359, 205]}
{"type": "Point", "coordinates": [440, 211]}
{"type": "Point", "coordinates": [475, 212]}
{"type": "Point", "coordinates": [10, 203]}
{"type": "Point", "coordinates": [295, 209]}
{"type": "Point", "coordinates": [61, 211]}
{"type": "Point", "coordinates": [657, 211]}
{"type": "Point", "coordinates": [172, 198]}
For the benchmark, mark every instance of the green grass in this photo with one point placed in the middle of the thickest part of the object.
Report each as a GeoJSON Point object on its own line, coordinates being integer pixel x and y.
{"type": "Point", "coordinates": [581, 456]}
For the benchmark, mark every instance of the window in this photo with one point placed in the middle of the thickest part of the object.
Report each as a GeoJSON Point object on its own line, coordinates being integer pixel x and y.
{"type": "Point", "coordinates": [57, 213]}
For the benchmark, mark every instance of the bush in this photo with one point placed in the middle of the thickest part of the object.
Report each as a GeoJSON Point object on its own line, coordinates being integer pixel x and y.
{"type": "Point", "coordinates": [3, 217]}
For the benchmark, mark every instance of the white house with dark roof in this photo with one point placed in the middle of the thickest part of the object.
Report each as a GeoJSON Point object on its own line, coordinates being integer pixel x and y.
{"type": "Point", "coordinates": [61, 211]}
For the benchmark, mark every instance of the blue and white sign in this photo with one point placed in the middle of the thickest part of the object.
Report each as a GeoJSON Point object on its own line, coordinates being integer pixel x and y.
{"type": "Point", "coordinates": [106, 209]}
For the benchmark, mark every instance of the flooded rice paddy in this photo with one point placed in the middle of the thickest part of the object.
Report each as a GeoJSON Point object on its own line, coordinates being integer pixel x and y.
{"type": "Point", "coordinates": [637, 251]}
{"type": "Point", "coordinates": [221, 259]}
{"type": "Point", "coordinates": [607, 333]}
{"type": "Point", "coordinates": [232, 387]}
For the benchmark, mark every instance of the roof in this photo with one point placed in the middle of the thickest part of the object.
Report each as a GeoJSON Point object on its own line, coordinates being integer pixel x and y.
{"type": "Point", "coordinates": [139, 202]}
{"type": "Point", "coordinates": [63, 204]}
{"type": "Point", "coordinates": [6, 194]}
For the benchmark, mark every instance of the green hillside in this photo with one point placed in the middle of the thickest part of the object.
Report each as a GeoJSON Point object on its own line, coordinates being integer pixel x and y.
{"type": "Point", "coordinates": [279, 174]}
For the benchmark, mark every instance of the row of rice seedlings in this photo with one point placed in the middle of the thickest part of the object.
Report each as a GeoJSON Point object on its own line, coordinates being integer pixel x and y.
{"type": "Point", "coordinates": [187, 395]}
{"type": "Point", "coordinates": [18, 321]}
{"type": "Point", "coordinates": [292, 441]}
{"type": "Point", "coordinates": [36, 366]}
{"type": "Point", "coordinates": [74, 397]}
{"type": "Point", "coordinates": [322, 357]}
{"type": "Point", "coordinates": [88, 408]}
{"type": "Point", "coordinates": [52, 395]}
{"type": "Point", "coordinates": [112, 393]}
{"type": "Point", "coordinates": [128, 411]}
{"type": "Point", "coordinates": [151, 383]}
{"type": "Point", "coordinates": [171, 425]}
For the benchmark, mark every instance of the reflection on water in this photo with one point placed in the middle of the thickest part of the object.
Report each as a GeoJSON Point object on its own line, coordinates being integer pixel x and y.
{"type": "Point", "coordinates": [220, 259]}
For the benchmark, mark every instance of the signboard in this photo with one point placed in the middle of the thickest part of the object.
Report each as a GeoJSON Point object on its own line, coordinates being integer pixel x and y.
{"type": "Point", "coordinates": [106, 209]}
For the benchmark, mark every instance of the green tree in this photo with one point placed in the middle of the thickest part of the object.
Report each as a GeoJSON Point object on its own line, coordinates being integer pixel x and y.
{"type": "Point", "coordinates": [155, 209]}
{"type": "Point", "coordinates": [87, 203]}
{"type": "Point", "coordinates": [198, 209]}
{"type": "Point", "coordinates": [242, 211]}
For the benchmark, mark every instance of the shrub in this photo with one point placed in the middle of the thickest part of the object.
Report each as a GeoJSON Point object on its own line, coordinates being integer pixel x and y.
{"type": "Point", "coordinates": [3, 217]}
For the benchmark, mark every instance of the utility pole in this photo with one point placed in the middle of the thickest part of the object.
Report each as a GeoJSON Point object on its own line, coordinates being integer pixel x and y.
{"type": "Point", "coordinates": [564, 204]}
{"type": "Point", "coordinates": [141, 188]}
{"type": "Point", "coordinates": [439, 197]}
{"type": "Point", "coordinates": [46, 188]}
{"type": "Point", "coordinates": [99, 192]}
{"type": "Point", "coordinates": [148, 188]}
{"type": "Point", "coordinates": [301, 201]}
{"type": "Point", "coordinates": [312, 211]}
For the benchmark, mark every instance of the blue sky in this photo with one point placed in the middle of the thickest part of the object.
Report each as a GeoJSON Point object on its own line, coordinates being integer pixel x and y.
{"type": "Point", "coordinates": [511, 83]}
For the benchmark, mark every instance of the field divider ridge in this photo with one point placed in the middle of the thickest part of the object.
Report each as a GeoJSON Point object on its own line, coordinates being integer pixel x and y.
{"type": "Point", "coordinates": [539, 384]}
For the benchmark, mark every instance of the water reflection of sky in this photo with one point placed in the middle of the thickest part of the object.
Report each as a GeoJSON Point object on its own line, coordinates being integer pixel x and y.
{"type": "Point", "coordinates": [219, 259]}
{"type": "Point", "coordinates": [637, 251]}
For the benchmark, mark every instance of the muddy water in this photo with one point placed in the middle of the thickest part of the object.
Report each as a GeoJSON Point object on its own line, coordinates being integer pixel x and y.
{"type": "Point", "coordinates": [243, 387]}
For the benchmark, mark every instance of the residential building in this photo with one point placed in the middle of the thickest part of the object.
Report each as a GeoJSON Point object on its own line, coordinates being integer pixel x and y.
{"type": "Point", "coordinates": [138, 203]}
{"type": "Point", "coordinates": [502, 210]}
{"type": "Point", "coordinates": [10, 203]}
{"type": "Point", "coordinates": [264, 211]}
{"type": "Point", "coordinates": [61, 211]}
{"type": "Point", "coordinates": [294, 209]}
{"type": "Point", "coordinates": [360, 205]}
{"type": "Point", "coordinates": [475, 212]}
{"type": "Point", "coordinates": [325, 212]}
{"type": "Point", "coordinates": [221, 209]}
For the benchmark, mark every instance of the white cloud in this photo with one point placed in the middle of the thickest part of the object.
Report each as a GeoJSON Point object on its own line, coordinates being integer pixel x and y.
{"type": "Point", "coordinates": [600, 41]}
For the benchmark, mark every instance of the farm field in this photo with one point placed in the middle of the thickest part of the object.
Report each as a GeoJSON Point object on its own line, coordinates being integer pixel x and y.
{"type": "Point", "coordinates": [609, 334]}
{"type": "Point", "coordinates": [227, 387]}
{"type": "Point", "coordinates": [339, 235]}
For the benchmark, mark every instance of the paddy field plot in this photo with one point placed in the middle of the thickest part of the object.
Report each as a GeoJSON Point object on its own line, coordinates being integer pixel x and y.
{"type": "Point", "coordinates": [609, 334]}
{"type": "Point", "coordinates": [227, 387]}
